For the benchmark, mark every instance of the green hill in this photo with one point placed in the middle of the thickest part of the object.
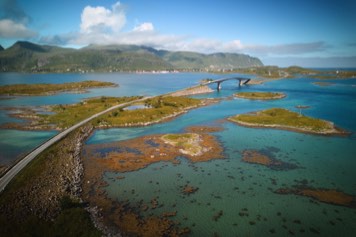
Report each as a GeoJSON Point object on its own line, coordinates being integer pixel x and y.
{"type": "Point", "coordinates": [216, 61]}
{"type": "Point", "coordinates": [29, 57]}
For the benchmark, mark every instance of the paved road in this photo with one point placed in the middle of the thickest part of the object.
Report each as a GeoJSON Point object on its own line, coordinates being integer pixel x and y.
{"type": "Point", "coordinates": [10, 174]}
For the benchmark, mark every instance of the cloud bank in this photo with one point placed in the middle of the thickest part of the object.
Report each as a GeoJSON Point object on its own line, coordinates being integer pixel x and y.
{"type": "Point", "coordinates": [14, 21]}
{"type": "Point", "coordinates": [10, 30]}
{"type": "Point", "coordinates": [100, 25]}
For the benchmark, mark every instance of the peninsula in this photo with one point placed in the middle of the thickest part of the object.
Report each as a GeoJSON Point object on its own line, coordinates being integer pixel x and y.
{"type": "Point", "coordinates": [151, 110]}
{"type": "Point", "coordinates": [50, 89]}
{"type": "Point", "coordinates": [284, 119]}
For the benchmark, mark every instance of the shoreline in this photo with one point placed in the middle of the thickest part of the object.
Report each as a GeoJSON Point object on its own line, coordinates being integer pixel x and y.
{"type": "Point", "coordinates": [53, 89]}
{"type": "Point", "coordinates": [32, 118]}
{"type": "Point", "coordinates": [335, 132]}
{"type": "Point", "coordinates": [260, 95]}
{"type": "Point", "coordinates": [205, 102]}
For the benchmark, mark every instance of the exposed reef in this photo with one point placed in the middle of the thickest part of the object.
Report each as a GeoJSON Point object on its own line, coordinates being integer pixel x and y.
{"type": "Point", "coordinates": [134, 154]}
{"type": "Point", "coordinates": [330, 196]}
{"type": "Point", "coordinates": [262, 157]}
{"type": "Point", "coordinates": [187, 190]}
{"type": "Point", "coordinates": [131, 155]}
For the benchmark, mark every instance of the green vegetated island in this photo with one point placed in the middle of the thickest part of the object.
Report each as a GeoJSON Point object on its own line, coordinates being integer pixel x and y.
{"type": "Point", "coordinates": [50, 89]}
{"type": "Point", "coordinates": [282, 118]}
{"type": "Point", "coordinates": [288, 120]}
{"type": "Point", "coordinates": [260, 95]}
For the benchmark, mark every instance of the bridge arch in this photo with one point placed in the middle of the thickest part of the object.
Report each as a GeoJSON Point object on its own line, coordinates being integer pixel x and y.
{"type": "Point", "coordinates": [241, 81]}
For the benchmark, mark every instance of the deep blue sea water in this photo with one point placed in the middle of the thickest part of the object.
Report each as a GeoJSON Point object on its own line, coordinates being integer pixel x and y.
{"type": "Point", "coordinates": [227, 185]}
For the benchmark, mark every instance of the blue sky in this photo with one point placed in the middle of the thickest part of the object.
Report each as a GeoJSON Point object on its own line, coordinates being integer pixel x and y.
{"type": "Point", "coordinates": [311, 33]}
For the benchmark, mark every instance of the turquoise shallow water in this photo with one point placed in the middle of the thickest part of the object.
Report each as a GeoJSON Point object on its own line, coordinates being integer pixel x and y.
{"type": "Point", "coordinates": [242, 192]}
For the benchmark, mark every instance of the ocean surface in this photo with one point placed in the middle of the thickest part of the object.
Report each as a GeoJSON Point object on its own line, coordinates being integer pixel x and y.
{"type": "Point", "coordinates": [242, 193]}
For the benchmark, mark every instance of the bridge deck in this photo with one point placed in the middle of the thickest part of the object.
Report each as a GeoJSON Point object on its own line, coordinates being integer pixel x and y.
{"type": "Point", "coordinates": [219, 81]}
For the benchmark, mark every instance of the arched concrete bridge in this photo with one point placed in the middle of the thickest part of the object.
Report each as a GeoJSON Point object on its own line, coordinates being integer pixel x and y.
{"type": "Point", "coordinates": [240, 80]}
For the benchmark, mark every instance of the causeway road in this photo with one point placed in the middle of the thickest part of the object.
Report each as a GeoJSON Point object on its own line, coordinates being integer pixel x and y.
{"type": "Point", "coordinates": [14, 170]}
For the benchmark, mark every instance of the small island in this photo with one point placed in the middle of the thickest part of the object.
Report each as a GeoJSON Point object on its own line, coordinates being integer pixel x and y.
{"type": "Point", "coordinates": [323, 83]}
{"type": "Point", "coordinates": [288, 120]}
{"type": "Point", "coordinates": [260, 95]}
{"type": "Point", "coordinates": [134, 154]}
{"type": "Point", "coordinates": [51, 89]}
{"type": "Point", "coordinates": [188, 143]}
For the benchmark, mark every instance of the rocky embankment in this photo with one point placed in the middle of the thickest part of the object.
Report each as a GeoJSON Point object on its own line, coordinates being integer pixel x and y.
{"type": "Point", "coordinates": [55, 174]}
{"type": "Point", "coordinates": [193, 91]}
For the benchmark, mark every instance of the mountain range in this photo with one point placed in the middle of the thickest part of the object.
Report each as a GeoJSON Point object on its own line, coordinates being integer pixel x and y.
{"type": "Point", "coordinates": [25, 56]}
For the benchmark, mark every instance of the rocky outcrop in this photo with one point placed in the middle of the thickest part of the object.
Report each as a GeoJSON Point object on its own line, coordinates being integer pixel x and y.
{"type": "Point", "coordinates": [53, 175]}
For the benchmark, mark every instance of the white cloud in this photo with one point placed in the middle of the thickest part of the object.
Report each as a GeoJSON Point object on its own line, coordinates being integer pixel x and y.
{"type": "Point", "coordinates": [101, 25]}
{"type": "Point", "coordinates": [146, 26]}
{"type": "Point", "coordinates": [101, 19]}
{"type": "Point", "coordinates": [10, 29]}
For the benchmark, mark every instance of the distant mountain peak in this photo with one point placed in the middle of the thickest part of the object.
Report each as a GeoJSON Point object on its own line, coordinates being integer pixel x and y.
{"type": "Point", "coordinates": [29, 46]}
{"type": "Point", "coordinates": [30, 57]}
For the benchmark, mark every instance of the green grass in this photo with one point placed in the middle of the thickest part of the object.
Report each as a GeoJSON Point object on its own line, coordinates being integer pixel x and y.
{"type": "Point", "coordinates": [178, 137]}
{"type": "Point", "coordinates": [335, 75]}
{"type": "Point", "coordinates": [73, 221]}
{"type": "Point", "coordinates": [67, 115]}
{"type": "Point", "coordinates": [283, 117]}
{"type": "Point", "coordinates": [44, 89]}
{"type": "Point", "coordinates": [260, 95]}
{"type": "Point", "coordinates": [156, 109]}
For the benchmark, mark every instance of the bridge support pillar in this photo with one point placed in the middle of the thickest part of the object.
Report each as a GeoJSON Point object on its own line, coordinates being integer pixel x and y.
{"type": "Point", "coordinates": [219, 86]}
{"type": "Point", "coordinates": [239, 82]}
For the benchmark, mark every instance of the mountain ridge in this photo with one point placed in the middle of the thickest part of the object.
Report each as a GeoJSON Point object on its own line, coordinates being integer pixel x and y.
{"type": "Point", "coordinates": [24, 56]}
